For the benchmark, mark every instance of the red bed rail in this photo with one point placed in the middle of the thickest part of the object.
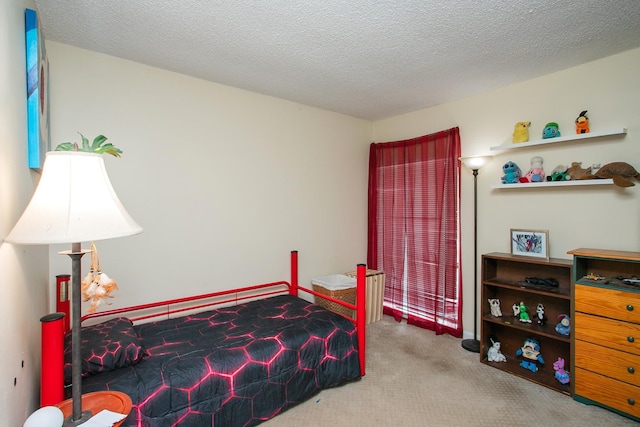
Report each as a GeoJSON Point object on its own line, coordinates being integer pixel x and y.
{"type": "Point", "coordinates": [234, 296]}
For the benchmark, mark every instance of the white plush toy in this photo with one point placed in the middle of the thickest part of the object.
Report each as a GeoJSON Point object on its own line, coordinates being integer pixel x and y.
{"type": "Point", "coordinates": [494, 303]}
{"type": "Point", "coordinates": [536, 173]}
{"type": "Point", "coordinates": [494, 354]}
{"type": "Point", "coordinates": [516, 309]}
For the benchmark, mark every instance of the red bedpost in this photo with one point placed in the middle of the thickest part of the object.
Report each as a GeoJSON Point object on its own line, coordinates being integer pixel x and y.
{"type": "Point", "coordinates": [62, 301]}
{"type": "Point", "coordinates": [294, 274]}
{"type": "Point", "coordinates": [361, 312]}
{"type": "Point", "coordinates": [52, 375]}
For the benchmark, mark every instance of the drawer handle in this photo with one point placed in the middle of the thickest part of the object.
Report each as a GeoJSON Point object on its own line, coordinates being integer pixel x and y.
{"type": "Point", "coordinates": [630, 401]}
{"type": "Point", "coordinates": [631, 370]}
{"type": "Point", "coordinates": [630, 307]}
{"type": "Point", "coordinates": [630, 338]}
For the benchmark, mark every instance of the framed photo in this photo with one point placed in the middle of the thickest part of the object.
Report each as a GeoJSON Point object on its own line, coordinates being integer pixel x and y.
{"type": "Point", "coordinates": [38, 133]}
{"type": "Point", "coordinates": [531, 243]}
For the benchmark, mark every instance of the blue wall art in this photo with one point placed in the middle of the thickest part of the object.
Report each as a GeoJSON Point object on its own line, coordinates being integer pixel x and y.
{"type": "Point", "coordinates": [37, 91]}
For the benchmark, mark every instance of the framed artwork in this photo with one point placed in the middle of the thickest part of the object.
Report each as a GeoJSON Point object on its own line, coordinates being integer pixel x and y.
{"type": "Point", "coordinates": [531, 243]}
{"type": "Point", "coordinates": [38, 131]}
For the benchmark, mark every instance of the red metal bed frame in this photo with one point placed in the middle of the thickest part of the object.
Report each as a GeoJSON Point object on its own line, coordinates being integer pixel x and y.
{"type": "Point", "coordinates": [179, 306]}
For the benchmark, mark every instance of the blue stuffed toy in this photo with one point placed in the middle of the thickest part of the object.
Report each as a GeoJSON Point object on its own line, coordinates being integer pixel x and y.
{"type": "Point", "coordinates": [512, 173]}
{"type": "Point", "coordinates": [550, 130]}
{"type": "Point", "coordinates": [564, 326]}
{"type": "Point", "coordinates": [530, 351]}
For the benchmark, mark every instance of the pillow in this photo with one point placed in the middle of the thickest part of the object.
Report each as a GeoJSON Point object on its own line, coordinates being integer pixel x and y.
{"type": "Point", "coordinates": [104, 347]}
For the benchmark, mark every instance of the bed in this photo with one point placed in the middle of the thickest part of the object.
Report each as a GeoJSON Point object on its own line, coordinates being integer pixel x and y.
{"type": "Point", "coordinates": [231, 358]}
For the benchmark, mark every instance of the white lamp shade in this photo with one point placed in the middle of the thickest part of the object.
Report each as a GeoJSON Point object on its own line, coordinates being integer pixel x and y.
{"type": "Point", "coordinates": [476, 162]}
{"type": "Point", "coordinates": [73, 202]}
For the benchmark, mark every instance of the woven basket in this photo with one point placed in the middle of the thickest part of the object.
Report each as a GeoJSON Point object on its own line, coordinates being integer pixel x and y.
{"type": "Point", "coordinates": [346, 295]}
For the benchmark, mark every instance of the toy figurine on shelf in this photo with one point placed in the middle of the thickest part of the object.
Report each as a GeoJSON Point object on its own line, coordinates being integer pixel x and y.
{"type": "Point", "coordinates": [561, 375]}
{"type": "Point", "coordinates": [541, 318]}
{"type": "Point", "coordinates": [516, 309]}
{"type": "Point", "coordinates": [494, 304]}
{"type": "Point", "coordinates": [521, 132]}
{"type": "Point", "coordinates": [512, 173]}
{"type": "Point", "coordinates": [594, 276]}
{"type": "Point", "coordinates": [582, 123]}
{"type": "Point", "coordinates": [530, 351]}
{"type": "Point", "coordinates": [524, 316]}
{"type": "Point", "coordinates": [564, 327]}
{"type": "Point", "coordinates": [551, 130]}
{"type": "Point", "coordinates": [494, 354]}
{"type": "Point", "coordinates": [536, 173]}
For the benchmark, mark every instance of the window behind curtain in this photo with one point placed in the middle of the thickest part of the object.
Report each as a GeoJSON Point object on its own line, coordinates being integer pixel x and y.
{"type": "Point", "coordinates": [414, 229]}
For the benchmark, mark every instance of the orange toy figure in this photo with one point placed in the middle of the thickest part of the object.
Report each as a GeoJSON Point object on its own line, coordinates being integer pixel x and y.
{"type": "Point", "coordinates": [582, 123]}
{"type": "Point", "coordinates": [96, 285]}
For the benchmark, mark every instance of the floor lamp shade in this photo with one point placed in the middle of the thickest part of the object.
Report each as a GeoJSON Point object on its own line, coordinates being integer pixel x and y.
{"type": "Point", "coordinates": [74, 202]}
{"type": "Point", "coordinates": [476, 162]}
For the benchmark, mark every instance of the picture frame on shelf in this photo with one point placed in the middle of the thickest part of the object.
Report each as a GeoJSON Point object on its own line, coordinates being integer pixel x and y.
{"type": "Point", "coordinates": [530, 243]}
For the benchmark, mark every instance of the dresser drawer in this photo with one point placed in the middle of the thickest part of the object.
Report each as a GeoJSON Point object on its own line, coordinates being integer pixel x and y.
{"type": "Point", "coordinates": [611, 363]}
{"type": "Point", "coordinates": [608, 303]}
{"type": "Point", "coordinates": [607, 391]}
{"type": "Point", "coordinates": [612, 333]}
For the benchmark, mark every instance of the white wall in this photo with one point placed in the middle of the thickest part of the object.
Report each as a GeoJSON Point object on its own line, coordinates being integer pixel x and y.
{"type": "Point", "coordinates": [24, 270]}
{"type": "Point", "coordinates": [604, 217]}
{"type": "Point", "coordinates": [224, 182]}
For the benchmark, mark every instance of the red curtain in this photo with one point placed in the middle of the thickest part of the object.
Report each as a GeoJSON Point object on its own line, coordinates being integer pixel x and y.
{"type": "Point", "coordinates": [413, 229]}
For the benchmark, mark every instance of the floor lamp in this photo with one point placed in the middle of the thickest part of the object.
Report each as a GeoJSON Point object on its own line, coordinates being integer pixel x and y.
{"type": "Point", "coordinates": [475, 164]}
{"type": "Point", "coordinates": [74, 202]}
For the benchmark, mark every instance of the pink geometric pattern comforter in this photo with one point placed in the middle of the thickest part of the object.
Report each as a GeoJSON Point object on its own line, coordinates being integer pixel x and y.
{"type": "Point", "coordinates": [235, 366]}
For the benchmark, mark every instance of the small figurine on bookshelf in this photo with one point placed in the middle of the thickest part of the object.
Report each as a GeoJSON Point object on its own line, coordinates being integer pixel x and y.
{"type": "Point", "coordinates": [516, 309]}
{"type": "Point", "coordinates": [540, 316]}
{"type": "Point", "coordinates": [524, 316]}
{"type": "Point", "coordinates": [530, 351]}
{"type": "Point", "coordinates": [564, 327]}
{"type": "Point", "coordinates": [494, 304]}
{"type": "Point", "coordinates": [561, 375]}
{"type": "Point", "coordinates": [494, 354]}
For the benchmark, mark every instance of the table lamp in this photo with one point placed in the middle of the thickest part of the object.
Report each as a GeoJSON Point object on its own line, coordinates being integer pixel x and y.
{"type": "Point", "coordinates": [74, 202]}
{"type": "Point", "coordinates": [474, 163]}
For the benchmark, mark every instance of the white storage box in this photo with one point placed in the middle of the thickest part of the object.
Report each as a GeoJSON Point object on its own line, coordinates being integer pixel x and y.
{"type": "Point", "coordinates": [338, 286]}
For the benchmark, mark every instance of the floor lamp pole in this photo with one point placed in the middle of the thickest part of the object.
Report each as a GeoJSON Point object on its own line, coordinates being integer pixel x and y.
{"type": "Point", "coordinates": [473, 345]}
{"type": "Point", "coordinates": [78, 416]}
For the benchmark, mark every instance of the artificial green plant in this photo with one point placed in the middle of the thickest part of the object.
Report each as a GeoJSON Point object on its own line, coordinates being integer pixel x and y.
{"type": "Point", "coordinates": [99, 145]}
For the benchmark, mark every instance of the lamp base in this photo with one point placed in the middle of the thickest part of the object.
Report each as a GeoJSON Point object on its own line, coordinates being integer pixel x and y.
{"type": "Point", "coordinates": [471, 345]}
{"type": "Point", "coordinates": [84, 417]}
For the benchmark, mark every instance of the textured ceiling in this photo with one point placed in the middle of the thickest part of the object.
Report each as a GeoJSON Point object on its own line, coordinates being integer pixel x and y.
{"type": "Point", "coordinates": [371, 59]}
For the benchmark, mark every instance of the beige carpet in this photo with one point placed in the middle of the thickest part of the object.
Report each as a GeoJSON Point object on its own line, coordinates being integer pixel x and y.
{"type": "Point", "coordinates": [415, 378]}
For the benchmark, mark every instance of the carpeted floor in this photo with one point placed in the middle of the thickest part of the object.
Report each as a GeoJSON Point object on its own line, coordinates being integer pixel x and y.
{"type": "Point", "coordinates": [415, 378]}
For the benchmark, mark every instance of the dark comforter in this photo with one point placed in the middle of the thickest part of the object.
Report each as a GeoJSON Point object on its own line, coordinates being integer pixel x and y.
{"type": "Point", "coordinates": [235, 366]}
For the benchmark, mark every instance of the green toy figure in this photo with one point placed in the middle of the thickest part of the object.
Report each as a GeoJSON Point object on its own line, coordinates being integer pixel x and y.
{"type": "Point", "coordinates": [524, 316]}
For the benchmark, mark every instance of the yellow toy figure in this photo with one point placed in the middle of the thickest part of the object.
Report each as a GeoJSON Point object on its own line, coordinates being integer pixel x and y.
{"type": "Point", "coordinates": [521, 132]}
{"type": "Point", "coordinates": [96, 285]}
{"type": "Point", "coordinates": [582, 123]}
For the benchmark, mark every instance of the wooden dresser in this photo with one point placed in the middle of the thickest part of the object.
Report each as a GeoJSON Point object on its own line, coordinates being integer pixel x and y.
{"type": "Point", "coordinates": [606, 319]}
